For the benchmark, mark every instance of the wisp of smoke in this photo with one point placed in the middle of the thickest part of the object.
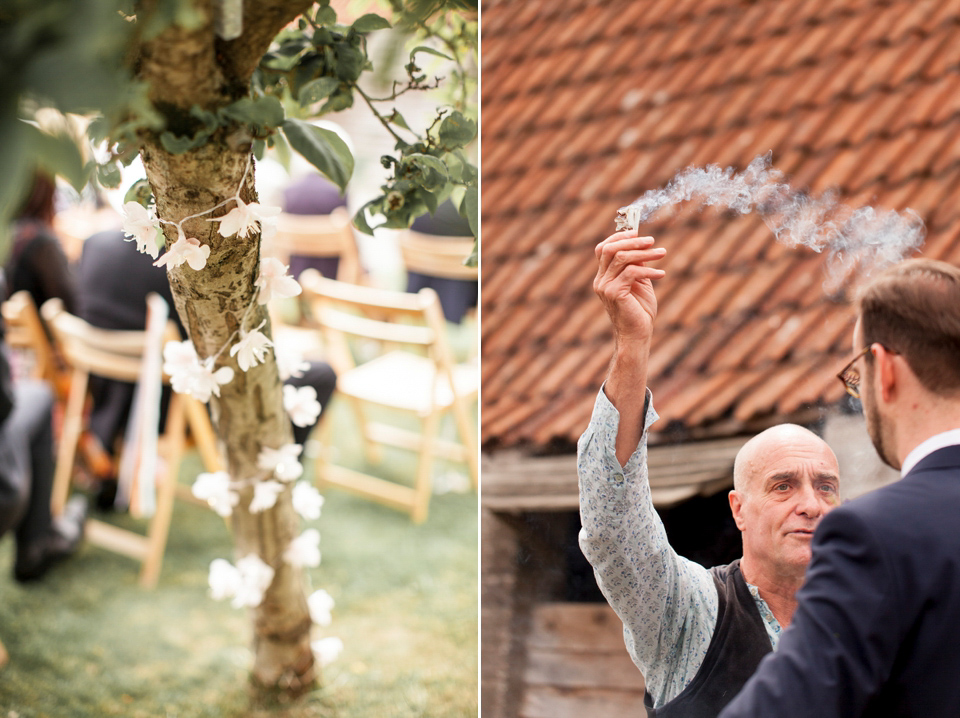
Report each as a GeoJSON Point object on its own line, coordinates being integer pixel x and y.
{"type": "Point", "coordinates": [864, 238]}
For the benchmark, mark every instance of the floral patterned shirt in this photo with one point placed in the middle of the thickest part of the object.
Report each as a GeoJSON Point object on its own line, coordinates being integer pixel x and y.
{"type": "Point", "coordinates": [668, 604]}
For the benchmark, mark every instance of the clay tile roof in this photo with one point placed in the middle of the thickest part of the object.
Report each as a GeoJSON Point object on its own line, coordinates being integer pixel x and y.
{"type": "Point", "coordinates": [588, 104]}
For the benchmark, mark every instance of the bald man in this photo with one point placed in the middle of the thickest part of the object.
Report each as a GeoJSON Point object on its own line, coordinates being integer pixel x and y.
{"type": "Point", "coordinates": [697, 635]}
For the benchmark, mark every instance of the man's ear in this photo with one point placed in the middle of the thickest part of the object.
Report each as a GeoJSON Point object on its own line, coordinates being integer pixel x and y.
{"type": "Point", "coordinates": [736, 507]}
{"type": "Point", "coordinates": [885, 370]}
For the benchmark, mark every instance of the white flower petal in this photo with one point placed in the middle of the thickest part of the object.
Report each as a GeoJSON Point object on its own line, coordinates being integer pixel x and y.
{"type": "Point", "coordinates": [301, 404]}
{"type": "Point", "coordinates": [307, 501]}
{"type": "Point", "coordinates": [255, 578]}
{"type": "Point", "coordinates": [283, 462]}
{"type": "Point", "coordinates": [251, 348]}
{"type": "Point", "coordinates": [304, 550]}
{"type": "Point", "coordinates": [265, 495]}
{"type": "Point", "coordinates": [327, 650]}
{"type": "Point", "coordinates": [224, 579]}
{"type": "Point", "coordinates": [320, 603]}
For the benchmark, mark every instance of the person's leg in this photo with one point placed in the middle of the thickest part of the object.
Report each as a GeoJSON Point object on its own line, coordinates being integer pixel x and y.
{"type": "Point", "coordinates": [29, 429]}
{"type": "Point", "coordinates": [27, 439]}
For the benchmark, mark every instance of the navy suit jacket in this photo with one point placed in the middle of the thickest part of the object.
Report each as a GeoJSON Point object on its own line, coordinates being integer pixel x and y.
{"type": "Point", "coordinates": [877, 626]}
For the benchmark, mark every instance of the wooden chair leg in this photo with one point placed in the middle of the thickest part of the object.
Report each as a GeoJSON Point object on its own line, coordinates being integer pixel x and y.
{"type": "Point", "coordinates": [69, 439]}
{"type": "Point", "coordinates": [159, 529]}
{"type": "Point", "coordinates": [468, 438]}
{"type": "Point", "coordinates": [423, 483]}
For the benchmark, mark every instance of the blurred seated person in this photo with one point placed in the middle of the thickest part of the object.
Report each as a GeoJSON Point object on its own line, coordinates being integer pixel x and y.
{"type": "Point", "coordinates": [457, 296]}
{"type": "Point", "coordinates": [37, 262]}
{"type": "Point", "coordinates": [313, 194]}
{"type": "Point", "coordinates": [113, 280]}
{"type": "Point", "coordinates": [26, 477]}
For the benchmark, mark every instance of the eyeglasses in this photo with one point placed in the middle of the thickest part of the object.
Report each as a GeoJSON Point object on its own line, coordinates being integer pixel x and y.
{"type": "Point", "coordinates": [850, 375]}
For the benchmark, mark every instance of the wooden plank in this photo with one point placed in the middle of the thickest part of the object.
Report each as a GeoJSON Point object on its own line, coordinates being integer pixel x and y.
{"type": "Point", "coordinates": [586, 669]}
{"type": "Point", "coordinates": [592, 627]}
{"type": "Point", "coordinates": [552, 702]}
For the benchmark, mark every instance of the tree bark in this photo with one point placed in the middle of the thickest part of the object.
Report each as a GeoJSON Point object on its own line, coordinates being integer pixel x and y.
{"type": "Point", "coordinates": [183, 69]}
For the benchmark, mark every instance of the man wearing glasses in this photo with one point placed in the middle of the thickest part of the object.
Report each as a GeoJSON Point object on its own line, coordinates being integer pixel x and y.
{"type": "Point", "coordinates": [697, 635]}
{"type": "Point", "coordinates": [877, 627]}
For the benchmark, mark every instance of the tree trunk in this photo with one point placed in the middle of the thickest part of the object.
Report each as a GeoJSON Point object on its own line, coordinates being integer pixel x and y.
{"type": "Point", "coordinates": [187, 68]}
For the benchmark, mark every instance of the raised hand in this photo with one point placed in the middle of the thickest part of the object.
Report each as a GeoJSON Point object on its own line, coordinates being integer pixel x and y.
{"type": "Point", "coordinates": [624, 284]}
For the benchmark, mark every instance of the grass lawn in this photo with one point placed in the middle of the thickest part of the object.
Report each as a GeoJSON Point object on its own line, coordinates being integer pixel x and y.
{"type": "Point", "coordinates": [87, 641]}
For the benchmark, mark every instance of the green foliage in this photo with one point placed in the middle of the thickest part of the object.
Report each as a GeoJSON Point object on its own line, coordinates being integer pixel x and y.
{"type": "Point", "coordinates": [74, 55]}
{"type": "Point", "coordinates": [322, 148]}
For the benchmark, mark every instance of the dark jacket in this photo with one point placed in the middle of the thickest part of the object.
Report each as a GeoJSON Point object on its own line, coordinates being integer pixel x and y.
{"type": "Point", "coordinates": [877, 627]}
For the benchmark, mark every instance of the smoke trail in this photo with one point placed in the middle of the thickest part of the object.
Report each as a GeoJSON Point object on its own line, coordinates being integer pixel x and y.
{"type": "Point", "coordinates": [864, 238]}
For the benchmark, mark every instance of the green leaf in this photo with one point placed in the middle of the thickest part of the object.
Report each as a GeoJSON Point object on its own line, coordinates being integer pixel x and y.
{"type": "Point", "coordinates": [108, 175]}
{"type": "Point", "coordinates": [326, 16]}
{"type": "Point", "coordinates": [322, 148]}
{"type": "Point", "coordinates": [469, 208]}
{"type": "Point", "coordinates": [60, 154]}
{"type": "Point", "coordinates": [397, 119]}
{"type": "Point", "coordinates": [264, 112]}
{"type": "Point", "coordinates": [318, 89]}
{"type": "Point", "coordinates": [456, 130]}
{"type": "Point", "coordinates": [15, 161]}
{"type": "Point", "coordinates": [473, 259]}
{"type": "Point", "coordinates": [429, 51]}
{"type": "Point", "coordinates": [360, 218]}
{"type": "Point", "coordinates": [370, 22]}
{"type": "Point", "coordinates": [177, 144]}
{"type": "Point", "coordinates": [140, 192]}
{"type": "Point", "coordinates": [350, 62]}
{"type": "Point", "coordinates": [259, 148]}
{"type": "Point", "coordinates": [432, 172]}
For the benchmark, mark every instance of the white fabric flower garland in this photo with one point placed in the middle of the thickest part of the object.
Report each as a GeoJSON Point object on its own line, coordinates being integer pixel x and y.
{"type": "Point", "coordinates": [246, 582]}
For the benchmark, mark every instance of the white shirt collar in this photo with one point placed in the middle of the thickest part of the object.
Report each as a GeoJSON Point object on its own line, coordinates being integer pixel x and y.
{"type": "Point", "coordinates": [925, 448]}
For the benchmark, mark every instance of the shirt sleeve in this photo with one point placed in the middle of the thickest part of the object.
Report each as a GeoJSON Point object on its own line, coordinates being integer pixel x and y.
{"type": "Point", "coordinates": [844, 636]}
{"type": "Point", "coordinates": [668, 604]}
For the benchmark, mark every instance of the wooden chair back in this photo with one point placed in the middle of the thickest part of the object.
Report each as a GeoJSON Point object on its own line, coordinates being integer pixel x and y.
{"type": "Point", "coordinates": [25, 332]}
{"type": "Point", "coordinates": [437, 256]}
{"type": "Point", "coordinates": [319, 235]}
{"type": "Point", "coordinates": [119, 354]}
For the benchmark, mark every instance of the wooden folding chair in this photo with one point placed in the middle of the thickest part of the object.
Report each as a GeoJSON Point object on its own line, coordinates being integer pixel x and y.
{"type": "Point", "coordinates": [119, 354]}
{"type": "Point", "coordinates": [318, 235]}
{"type": "Point", "coordinates": [424, 382]}
{"type": "Point", "coordinates": [26, 334]}
{"type": "Point", "coordinates": [437, 256]}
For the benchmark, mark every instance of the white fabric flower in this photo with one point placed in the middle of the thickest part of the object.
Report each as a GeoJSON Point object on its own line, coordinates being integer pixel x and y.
{"type": "Point", "coordinates": [283, 462]}
{"type": "Point", "coordinates": [307, 501]}
{"type": "Point", "coordinates": [320, 604]}
{"type": "Point", "coordinates": [251, 348]}
{"type": "Point", "coordinates": [326, 650]}
{"type": "Point", "coordinates": [274, 282]}
{"type": "Point", "coordinates": [185, 249]}
{"type": "Point", "coordinates": [216, 491]}
{"type": "Point", "coordinates": [304, 550]}
{"type": "Point", "coordinates": [224, 579]}
{"type": "Point", "coordinates": [243, 218]}
{"type": "Point", "coordinates": [301, 404]}
{"type": "Point", "coordinates": [140, 224]}
{"type": "Point", "coordinates": [188, 375]}
{"type": "Point", "coordinates": [290, 362]}
{"type": "Point", "coordinates": [265, 495]}
{"type": "Point", "coordinates": [255, 578]}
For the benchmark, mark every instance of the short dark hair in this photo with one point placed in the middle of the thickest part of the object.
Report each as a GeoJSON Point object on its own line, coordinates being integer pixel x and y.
{"type": "Point", "coordinates": [913, 308]}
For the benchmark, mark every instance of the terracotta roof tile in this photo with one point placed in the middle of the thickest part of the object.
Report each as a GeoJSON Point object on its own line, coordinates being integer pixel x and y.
{"type": "Point", "coordinates": [586, 105]}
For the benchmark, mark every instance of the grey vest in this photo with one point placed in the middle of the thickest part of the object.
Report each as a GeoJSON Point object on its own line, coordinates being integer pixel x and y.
{"type": "Point", "coordinates": [739, 642]}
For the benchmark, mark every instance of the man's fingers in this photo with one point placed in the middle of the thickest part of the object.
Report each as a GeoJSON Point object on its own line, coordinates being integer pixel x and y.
{"type": "Point", "coordinates": [609, 248]}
